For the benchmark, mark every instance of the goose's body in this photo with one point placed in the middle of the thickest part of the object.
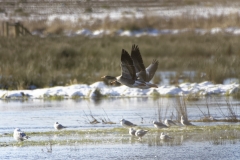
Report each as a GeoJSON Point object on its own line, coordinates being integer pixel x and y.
{"type": "Point", "coordinates": [164, 136]}
{"type": "Point", "coordinates": [169, 122]}
{"type": "Point", "coordinates": [185, 122]}
{"type": "Point", "coordinates": [132, 131]}
{"type": "Point", "coordinates": [19, 135]}
{"type": "Point", "coordinates": [159, 125]}
{"type": "Point", "coordinates": [140, 133]}
{"type": "Point", "coordinates": [126, 123]}
{"type": "Point", "coordinates": [143, 73]}
{"type": "Point", "coordinates": [58, 126]}
{"type": "Point", "coordinates": [128, 76]}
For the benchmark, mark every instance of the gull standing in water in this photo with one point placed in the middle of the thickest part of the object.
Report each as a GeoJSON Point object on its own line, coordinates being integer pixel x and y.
{"type": "Point", "coordinates": [164, 136]}
{"type": "Point", "coordinates": [185, 122]}
{"type": "Point", "coordinates": [169, 123]}
{"type": "Point", "coordinates": [19, 135]}
{"type": "Point", "coordinates": [140, 133]}
{"type": "Point", "coordinates": [126, 123]}
{"type": "Point", "coordinates": [58, 126]}
{"type": "Point", "coordinates": [132, 131]}
{"type": "Point", "coordinates": [159, 125]}
{"type": "Point", "coordinates": [128, 75]}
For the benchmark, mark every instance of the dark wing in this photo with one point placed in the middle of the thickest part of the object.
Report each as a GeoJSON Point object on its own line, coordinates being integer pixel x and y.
{"type": "Point", "coordinates": [128, 123]}
{"type": "Point", "coordinates": [137, 58]}
{"type": "Point", "coordinates": [22, 134]}
{"type": "Point", "coordinates": [128, 70]}
{"type": "Point", "coordinates": [151, 69]}
{"type": "Point", "coordinates": [138, 62]}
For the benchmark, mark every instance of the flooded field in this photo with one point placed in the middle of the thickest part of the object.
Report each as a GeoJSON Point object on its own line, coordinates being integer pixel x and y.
{"type": "Point", "coordinates": [81, 139]}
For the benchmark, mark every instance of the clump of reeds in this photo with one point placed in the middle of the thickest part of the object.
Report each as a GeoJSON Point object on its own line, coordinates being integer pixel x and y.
{"type": "Point", "coordinates": [181, 108]}
{"type": "Point", "coordinates": [231, 115]}
{"type": "Point", "coordinates": [207, 117]}
{"type": "Point", "coordinates": [93, 120]}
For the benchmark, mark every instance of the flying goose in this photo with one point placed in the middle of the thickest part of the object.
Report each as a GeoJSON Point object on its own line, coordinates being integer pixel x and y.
{"type": "Point", "coordinates": [143, 73]}
{"type": "Point", "coordinates": [19, 135]}
{"type": "Point", "coordinates": [128, 76]}
{"type": "Point", "coordinates": [58, 126]}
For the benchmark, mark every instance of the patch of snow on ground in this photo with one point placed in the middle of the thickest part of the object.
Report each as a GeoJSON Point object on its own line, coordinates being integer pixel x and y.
{"type": "Point", "coordinates": [99, 88]}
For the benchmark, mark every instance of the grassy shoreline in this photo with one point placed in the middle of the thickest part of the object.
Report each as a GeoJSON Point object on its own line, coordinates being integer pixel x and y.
{"type": "Point", "coordinates": [218, 134]}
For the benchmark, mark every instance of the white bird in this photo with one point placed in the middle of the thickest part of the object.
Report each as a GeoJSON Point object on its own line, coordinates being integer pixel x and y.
{"type": "Point", "coordinates": [185, 122]}
{"type": "Point", "coordinates": [164, 136]}
{"type": "Point", "coordinates": [132, 131]}
{"type": "Point", "coordinates": [58, 126]}
{"type": "Point", "coordinates": [159, 125]}
{"type": "Point", "coordinates": [128, 76]}
{"type": "Point", "coordinates": [169, 122]}
{"type": "Point", "coordinates": [126, 123]}
{"type": "Point", "coordinates": [19, 135]}
{"type": "Point", "coordinates": [140, 133]}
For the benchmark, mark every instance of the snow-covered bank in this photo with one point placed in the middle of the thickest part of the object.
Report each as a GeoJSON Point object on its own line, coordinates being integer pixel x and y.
{"type": "Point", "coordinates": [149, 32]}
{"type": "Point", "coordinates": [99, 89]}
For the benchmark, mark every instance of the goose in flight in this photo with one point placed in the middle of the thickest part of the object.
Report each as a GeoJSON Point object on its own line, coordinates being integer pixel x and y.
{"type": "Point", "coordinates": [143, 73]}
{"type": "Point", "coordinates": [128, 76]}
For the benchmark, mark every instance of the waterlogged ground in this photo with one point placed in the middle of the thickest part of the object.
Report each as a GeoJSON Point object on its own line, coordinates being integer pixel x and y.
{"type": "Point", "coordinates": [206, 140]}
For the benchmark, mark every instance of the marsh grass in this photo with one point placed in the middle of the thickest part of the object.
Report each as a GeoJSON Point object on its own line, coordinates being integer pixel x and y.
{"type": "Point", "coordinates": [181, 108]}
{"type": "Point", "coordinates": [216, 135]}
{"type": "Point", "coordinates": [207, 117]}
{"type": "Point", "coordinates": [89, 118]}
{"type": "Point", "coordinates": [59, 61]}
{"type": "Point", "coordinates": [223, 137]}
{"type": "Point", "coordinates": [231, 115]}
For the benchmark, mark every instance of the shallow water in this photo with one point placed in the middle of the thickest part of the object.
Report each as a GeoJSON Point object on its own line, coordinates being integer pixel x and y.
{"type": "Point", "coordinates": [39, 116]}
{"type": "Point", "coordinates": [139, 151]}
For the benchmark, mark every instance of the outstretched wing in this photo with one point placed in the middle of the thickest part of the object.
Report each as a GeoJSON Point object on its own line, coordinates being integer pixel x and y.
{"type": "Point", "coordinates": [138, 62]}
{"type": "Point", "coordinates": [128, 70]}
{"type": "Point", "coordinates": [137, 59]}
{"type": "Point", "coordinates": [151, 69]}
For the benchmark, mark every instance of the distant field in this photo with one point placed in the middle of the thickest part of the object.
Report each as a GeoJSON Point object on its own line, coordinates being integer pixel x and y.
{"type": "Point", "coordinates": [61, 60]}
{"type": "Point", "coordinates": [55, 17]}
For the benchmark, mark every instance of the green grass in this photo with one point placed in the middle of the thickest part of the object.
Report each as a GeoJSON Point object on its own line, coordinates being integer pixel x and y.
{"type": "Point", "coordinates": [219, 134]}
{"type": "Point", "coordinates": [53, 61]}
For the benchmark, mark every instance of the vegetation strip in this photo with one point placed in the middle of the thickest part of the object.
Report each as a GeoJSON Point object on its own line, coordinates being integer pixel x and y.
{"type": "Point", "coordinates": [213, 134]}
